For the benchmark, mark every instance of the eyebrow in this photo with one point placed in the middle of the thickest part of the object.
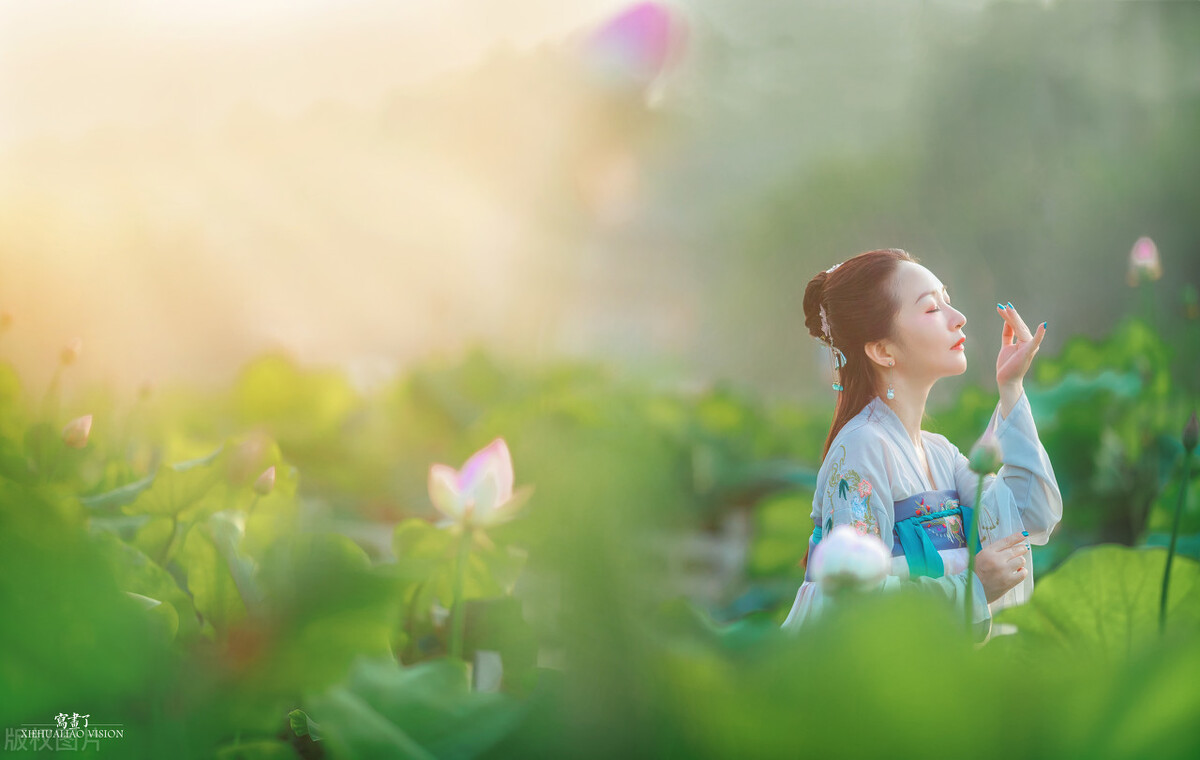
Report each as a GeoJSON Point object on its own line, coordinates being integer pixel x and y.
{"type": "Point", "coordinates": [928, 293]}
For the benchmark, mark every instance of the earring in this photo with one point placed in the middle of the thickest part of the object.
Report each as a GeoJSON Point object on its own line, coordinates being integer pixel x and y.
{"type": "Point", "coordinates": [839, 361]}
{"type": "Point", "coordinates": [891, 393]}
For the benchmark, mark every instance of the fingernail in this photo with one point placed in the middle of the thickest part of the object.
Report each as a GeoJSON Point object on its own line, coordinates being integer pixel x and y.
{"type": "Point", "coordinates": [999, 306]}
{"type": "Point", "coordinates": [1045, 325]}
{"type": "Point", "coordinates": [1010, 304]}
{"type": "Point", "coordinates": [1024, 533]}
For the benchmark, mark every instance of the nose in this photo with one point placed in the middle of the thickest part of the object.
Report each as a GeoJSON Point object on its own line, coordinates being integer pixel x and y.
{"type": "Point", "coordinates": [960, 319]}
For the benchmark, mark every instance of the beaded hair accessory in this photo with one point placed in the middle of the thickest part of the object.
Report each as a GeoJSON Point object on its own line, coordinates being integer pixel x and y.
{"type": "Point", "coordinates": [836, 357]}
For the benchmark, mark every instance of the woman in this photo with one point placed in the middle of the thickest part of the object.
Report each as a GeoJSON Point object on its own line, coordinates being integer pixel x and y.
{"type": "Point", "coordinates": [893, 333]}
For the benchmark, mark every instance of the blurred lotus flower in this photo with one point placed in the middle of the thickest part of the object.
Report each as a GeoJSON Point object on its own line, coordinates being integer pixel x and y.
{"type": "Point", "coordinates": [985, 456]}
{"type": "Point", "coordinates": [71, 351]}
{"type": "Point", "coordinates": [1144, 264]}
{"type": "Point", "coordinates": [75, 434]}
{"type": "Point", "coordinates": [637, 45]}
{"type": "Point", "coordinates": [481, 493]}
{"type": "Point", "coordinates": [845, 560]}
{"type": "Point", "coordinates": [265, 482]}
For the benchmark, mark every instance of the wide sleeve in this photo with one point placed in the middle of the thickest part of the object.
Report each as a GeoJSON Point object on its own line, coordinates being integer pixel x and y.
{"type": "Point", "coordinates": [1022, 496]}
{"type": "Point", "coordinates": [855, 487]}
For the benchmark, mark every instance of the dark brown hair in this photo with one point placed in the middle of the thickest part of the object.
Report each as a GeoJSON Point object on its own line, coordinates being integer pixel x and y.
{"type": "Point", "coordinates": [860, 306]}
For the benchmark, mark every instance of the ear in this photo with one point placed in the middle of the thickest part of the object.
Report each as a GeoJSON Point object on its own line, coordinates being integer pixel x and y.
{"type": "Point", "coordinates": [880, 352]}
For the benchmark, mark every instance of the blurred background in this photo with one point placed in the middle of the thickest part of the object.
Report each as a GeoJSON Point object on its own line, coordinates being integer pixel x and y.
{"type": "Point", "coordinates": [185, 185]}
{"type": "Point", "coordinates": [264, 263]}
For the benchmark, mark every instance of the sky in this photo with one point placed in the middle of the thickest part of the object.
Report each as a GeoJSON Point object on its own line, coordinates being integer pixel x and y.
{"type": "Point", "coordinates": [134, 216]}
{"type": "Point", "coordinates": [68, 67]}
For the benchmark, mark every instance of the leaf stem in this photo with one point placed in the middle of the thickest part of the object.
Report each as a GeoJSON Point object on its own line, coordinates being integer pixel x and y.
{"type": "Point", "coordinates": [972, 534]}
{"type": "Point", "coordinates": [460, 571]}
{"type": "Point", "coordinates": [1162, 607]}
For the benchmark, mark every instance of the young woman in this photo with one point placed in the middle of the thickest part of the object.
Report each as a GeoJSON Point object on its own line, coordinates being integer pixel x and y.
{"type": "Point", "coordinates": [893, 333]}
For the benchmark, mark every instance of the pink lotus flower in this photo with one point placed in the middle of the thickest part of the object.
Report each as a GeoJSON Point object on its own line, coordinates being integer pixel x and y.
{"type": "Point", "coordinates": [637, 45]}
{"type": "Point", "coordinates": [481, 493]}
{"type": "Point", "coordinates": [845, 560]}
{"type": "Point", "coordinates": [265, 482]}
{"type": "Point", "coordinates": [1144, 263]}
{"type": "Point", "coordinates": [76, 432]}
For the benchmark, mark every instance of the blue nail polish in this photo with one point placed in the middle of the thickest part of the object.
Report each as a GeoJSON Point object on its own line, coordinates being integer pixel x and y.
{"type": "Point", "coordinates": [999, 306]}
{"type": "Point", "coordinates": [1010, 304]}
{"type": "Point", "coordinates": [1046, 325]}
{"type": "Point", "coordinates": [1024, 533]}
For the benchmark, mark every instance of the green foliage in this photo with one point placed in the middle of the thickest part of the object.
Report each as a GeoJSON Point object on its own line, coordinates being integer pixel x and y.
{"type": "Point", "coordinates": [422, 711]}
{"type": "Point", "coordinates": [1103, 602]}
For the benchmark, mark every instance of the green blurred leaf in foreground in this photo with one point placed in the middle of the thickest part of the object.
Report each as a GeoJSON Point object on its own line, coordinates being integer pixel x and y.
{"type": "Point", "coordinates": [1104, 601]}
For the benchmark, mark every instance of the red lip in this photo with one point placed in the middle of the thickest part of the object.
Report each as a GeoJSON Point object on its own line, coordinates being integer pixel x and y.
{"type": "Point", "coordinates": [958, 346]}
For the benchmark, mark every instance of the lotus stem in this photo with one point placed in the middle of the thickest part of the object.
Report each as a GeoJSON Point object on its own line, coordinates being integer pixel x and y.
{"type": "Point", "coordinates": [972, 532]}
{"type": "Point", "coordinates": [460, 572]}
{"type": "Point", "coordinates": [1162, 607]}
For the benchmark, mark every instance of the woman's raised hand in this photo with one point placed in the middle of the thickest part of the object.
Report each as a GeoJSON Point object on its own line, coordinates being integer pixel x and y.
{"type": "Point", "coordinates": [1017, 347]}
{"type": "Point", "coordinates": [1001, 565]}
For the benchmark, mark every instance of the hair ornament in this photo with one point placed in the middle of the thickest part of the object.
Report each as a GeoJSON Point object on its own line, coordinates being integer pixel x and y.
{"type": "Point", "coordinates": [836, 357]}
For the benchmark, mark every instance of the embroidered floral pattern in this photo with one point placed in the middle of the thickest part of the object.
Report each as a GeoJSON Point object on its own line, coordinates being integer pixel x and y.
{"type": "Point", "coordinates": [954, 529]}
{"type": "Point", "coordinates": [849, 489]}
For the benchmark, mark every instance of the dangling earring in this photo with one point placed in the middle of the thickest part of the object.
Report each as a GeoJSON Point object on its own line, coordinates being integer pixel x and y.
{"type": "Point", "coordinates": [839, 361]}
{"type": "Point", "coordinates": [891, 392]}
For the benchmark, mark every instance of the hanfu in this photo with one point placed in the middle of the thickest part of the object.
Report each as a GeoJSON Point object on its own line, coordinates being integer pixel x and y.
{"type": "Point", "coordinates": [872, 479]}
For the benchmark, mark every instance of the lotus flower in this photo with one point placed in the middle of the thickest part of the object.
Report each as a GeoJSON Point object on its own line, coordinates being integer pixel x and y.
{"type": "Point", "coordinates": [481, 493]}
{"type": "Point", "coordinates": [265, 482]}
{"type": "Point", "coordinates": [636, 45]}
{"type": "Point", "coordinates": [1144, 263]}
{"type": "Point", "coordinates": [845, 560]}
{"type": "Point", "coordinates": [75, 434]}
{"type": "Point", "coordinates": [985, 456]}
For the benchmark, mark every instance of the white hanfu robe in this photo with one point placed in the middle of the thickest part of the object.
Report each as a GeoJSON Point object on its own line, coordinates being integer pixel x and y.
{"type": "Point", "coordinates": [872, 464]}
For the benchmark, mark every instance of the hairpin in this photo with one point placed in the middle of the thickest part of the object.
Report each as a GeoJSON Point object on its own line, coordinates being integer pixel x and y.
{"type": "Point", "coordinates": [836, 357]}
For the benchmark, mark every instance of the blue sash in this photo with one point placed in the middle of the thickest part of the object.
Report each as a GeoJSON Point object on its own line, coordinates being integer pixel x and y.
{"type": "Point", "coordinates": [925, 523]}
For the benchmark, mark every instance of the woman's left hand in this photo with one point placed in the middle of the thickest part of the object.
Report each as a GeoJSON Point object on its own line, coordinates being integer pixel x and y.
{"type": "Point", "coordinates": [1017, 348]}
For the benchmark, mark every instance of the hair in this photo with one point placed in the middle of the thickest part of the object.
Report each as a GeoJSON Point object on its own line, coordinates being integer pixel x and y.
{"type": "Point", "coordinates": [860, 306]}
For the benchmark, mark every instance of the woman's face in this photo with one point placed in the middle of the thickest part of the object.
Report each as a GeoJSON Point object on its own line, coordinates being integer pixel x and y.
{"type": "Point", "coordinates": [930, 340]}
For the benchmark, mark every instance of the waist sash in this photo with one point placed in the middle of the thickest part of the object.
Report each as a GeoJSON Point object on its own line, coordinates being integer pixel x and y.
{"type": "Point", "coordinates": [925, 523]}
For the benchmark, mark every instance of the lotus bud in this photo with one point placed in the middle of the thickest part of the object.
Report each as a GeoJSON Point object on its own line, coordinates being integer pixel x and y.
{"type": "Point", "coordinates": [266, 482]}
{"type": "Point", "coordinates": [985, 456]}
{"type": "Point", "coordinates": [71, 351]}
{"type": "Point", "coordinates": [637, 45]}
{"type": "Point", "coordinates": [481, 493]}
{"type": "Point", "coordinates": [845, 560]}
{"type": "Point", "coordinates": [1144, 264]}
{"type": "Point", "coordinates": [76, 432]}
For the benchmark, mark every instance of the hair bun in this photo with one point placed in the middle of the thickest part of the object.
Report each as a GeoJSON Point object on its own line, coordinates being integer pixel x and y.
{"type": "Point", "coordinates": [813, 298]}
